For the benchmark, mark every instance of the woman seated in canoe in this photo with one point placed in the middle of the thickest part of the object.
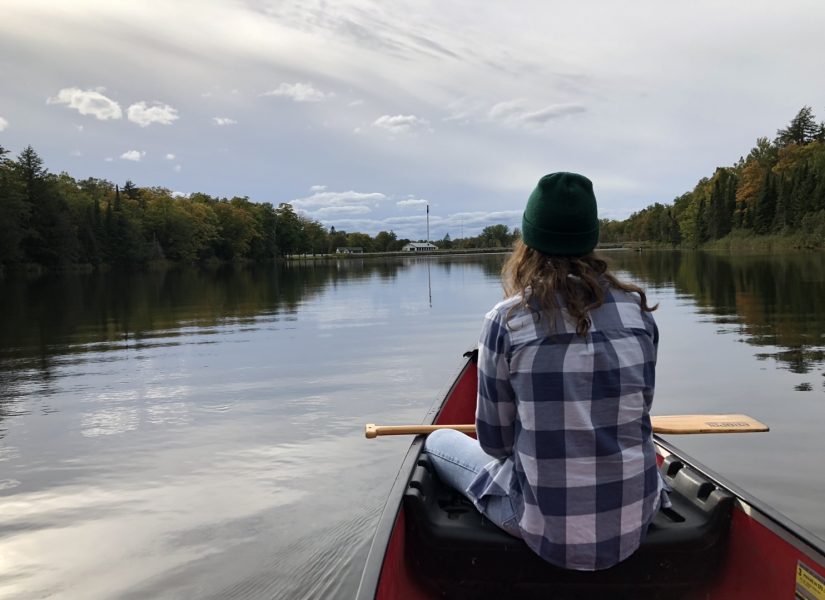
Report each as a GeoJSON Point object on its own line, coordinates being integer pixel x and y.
{"type": "Point", "coordinates": [566, 368]}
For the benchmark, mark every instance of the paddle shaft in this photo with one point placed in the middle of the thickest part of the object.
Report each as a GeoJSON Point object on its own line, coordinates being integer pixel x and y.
{"type": "Point", "coordinates": [376, 430]}
{"type": "Point", "coordinates": [663, 424]}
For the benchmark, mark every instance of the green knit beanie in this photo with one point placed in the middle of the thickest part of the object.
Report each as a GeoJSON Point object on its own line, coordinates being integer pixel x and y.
{"type": "Point", "coordinates": [560, 218]}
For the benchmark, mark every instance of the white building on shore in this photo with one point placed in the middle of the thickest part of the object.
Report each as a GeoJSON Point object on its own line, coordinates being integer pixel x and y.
{"type": "Point", "coordinates": [419, 247]}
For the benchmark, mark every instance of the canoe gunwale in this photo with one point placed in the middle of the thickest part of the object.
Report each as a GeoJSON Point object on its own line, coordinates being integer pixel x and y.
{"type": "Point", "coordinates": [791, 532]}
{"type": "Point", "coordinates": [389, 515]}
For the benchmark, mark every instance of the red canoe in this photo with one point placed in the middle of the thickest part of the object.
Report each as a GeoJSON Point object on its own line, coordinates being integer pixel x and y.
{"type": "Point", "coordinates": [717, 542]}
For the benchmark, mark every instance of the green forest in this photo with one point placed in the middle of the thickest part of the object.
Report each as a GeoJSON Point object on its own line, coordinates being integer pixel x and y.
{"type": "Point", "coordinates": [56, 221]}
{"type": "Point", "coordinates": [778, 189]}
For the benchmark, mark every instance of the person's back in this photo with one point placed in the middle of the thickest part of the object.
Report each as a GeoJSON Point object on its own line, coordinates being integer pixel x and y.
{"type": "Point", "coordinates": [565, 457]}
{"type": "Point", "coordinates": [581, 469]}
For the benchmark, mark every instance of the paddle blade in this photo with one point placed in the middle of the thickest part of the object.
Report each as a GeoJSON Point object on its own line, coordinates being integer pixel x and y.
{"type": "Point", "coordinates": [686, 424]}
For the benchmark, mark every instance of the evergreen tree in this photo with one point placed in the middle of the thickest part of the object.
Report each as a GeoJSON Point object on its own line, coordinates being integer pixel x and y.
{"type": "Point", "coordinates": [784, 189]}
{"type": "Point", "coordinates": [719, 216]}
{"type": "Point", "coordinates": [765, 206]}
{"type": "Point", "coordinates": [89, 252]}
{"type": "Point", "coordinates": [803, 192]}
{"type": "Point", "coordinates": [14, 212]}
{"type": "Point", "coordinates": [702, 234]}
{"type": "Point", "coordinates": [730, 200]}
{"type": "Point", "coordinates": [130, 190]}
{"type": "Point", "coordinates": [96, 213]}
{"type": "Point", "coordinates": [50, 238]}
{"type": "Point", "coordinates": [818, 201]}
{"type": "Point", "coordinates": [31, 169]}
{"type": "Point", "coordinates": [803, 129]}
{"type": "Point", "coordinates": [674, 235]}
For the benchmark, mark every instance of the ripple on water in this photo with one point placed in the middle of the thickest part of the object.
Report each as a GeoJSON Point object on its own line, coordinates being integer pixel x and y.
{"type": "Point", "coordinates": [321, 564]}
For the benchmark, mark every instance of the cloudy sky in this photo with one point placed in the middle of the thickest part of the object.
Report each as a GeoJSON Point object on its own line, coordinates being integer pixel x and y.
{"type": "Point", "coordinates": [361, 112]}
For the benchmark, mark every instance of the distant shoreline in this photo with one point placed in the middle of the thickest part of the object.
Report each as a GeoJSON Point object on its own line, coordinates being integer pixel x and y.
{"type": "Point", "coordinates": [444, 252]}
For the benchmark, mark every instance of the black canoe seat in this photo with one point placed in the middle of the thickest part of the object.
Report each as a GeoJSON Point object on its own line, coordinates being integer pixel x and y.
{"type": "Point", "coordinates": [460, 554]}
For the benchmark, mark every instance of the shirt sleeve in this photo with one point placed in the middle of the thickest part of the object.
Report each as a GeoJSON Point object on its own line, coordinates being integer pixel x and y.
{"type": "Point", "coordinates": [496, 406]}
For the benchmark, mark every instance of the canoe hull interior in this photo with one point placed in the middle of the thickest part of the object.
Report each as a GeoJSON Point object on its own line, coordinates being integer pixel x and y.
{"type": "Point", "coordinates": [745, 550]}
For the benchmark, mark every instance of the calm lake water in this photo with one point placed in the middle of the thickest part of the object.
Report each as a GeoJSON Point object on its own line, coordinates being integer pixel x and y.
{"type": "Point", "coordinates": [199, 434]}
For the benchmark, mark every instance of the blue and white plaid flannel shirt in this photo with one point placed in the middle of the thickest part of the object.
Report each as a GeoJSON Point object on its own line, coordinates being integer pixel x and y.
{"type": "Point", "coordinates": [567, 419]}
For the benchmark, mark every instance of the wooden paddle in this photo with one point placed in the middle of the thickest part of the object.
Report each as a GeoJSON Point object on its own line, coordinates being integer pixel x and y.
{"type": "Point", "coordinates": [666, 424]}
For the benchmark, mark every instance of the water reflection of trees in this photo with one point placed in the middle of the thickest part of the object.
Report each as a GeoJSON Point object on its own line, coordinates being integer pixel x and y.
{"type": "Point", "coordinates": [775, 300]}
{"type": "Point", "coordinates": [41, 317]}
{"type": "Point", "coordinates": [51, 315]}
{"type": "Point", "coordinates": [50, 321]}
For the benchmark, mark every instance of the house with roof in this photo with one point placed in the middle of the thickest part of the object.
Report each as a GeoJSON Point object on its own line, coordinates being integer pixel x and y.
{"type": "Point", "coordinates": [419, 247]}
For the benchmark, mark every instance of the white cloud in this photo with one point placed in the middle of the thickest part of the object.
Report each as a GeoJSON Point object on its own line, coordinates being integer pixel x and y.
{"type": "Point", "coordinates": [517, 113]}
{"type": "Point", "coordinates": [299, 92]}
{"type": "Point", "coordinates": [222, 121]}
{"type": "Point", "coordinates": [331, 211]}
{"type": "Point", "coordinates": [481, 219]}
{"type": "Point", "coordinates": [317, 188]}
{"type": "Point", "coordinates": [144, 115]}
{"type": "Point", "coordinates": [356, 103]}
{"type": "Point", "coordinates": [323, 205]}
{"type": "Point", "coordinates": [3, 124]}
{"type": "Point", "coordinates": [411, 202]}
{"type": "Point", "coordinates": [109, 159]}
{"type": "Point", "coordinates": [324, 199]}
{"type": "Point", "coordinates": [177, 168]}
{"type": "Point", "coordinates": [88, 102]}
{"type": "Point", "coordinates": [75, 153]}
{"type": "Point", "coordinates": [170, 156]}
{"type": "Point", "coordinates": [133, 155]}
{"type": "Point", "coordinates": [401, 123]}
{"type": "Point", "coordinates": [504, 111]}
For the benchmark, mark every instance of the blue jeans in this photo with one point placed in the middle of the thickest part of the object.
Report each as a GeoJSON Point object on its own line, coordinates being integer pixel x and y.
{"type": "Point", "coordinates": [457, 459]}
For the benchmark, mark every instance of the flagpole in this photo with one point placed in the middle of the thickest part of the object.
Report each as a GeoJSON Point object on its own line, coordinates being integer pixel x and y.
{"type": "Point", "coordinates": [428, 223]}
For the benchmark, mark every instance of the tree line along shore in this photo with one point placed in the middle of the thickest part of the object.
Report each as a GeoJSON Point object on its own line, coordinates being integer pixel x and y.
{"type": "Point", "coordinates": [55, 221]}
{"type": "Point", "coordinates": [772, 198]}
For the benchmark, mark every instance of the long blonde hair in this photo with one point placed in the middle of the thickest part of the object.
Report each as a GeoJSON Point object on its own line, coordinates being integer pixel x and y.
{"type": "Point", "coordinates": [538, 278]}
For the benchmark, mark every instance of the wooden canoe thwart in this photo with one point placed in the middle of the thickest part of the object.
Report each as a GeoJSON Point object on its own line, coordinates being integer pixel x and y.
{"type": "Point", "coordinates": [663, 424]}
{"type": "Point", "coordinates": [715, 541]}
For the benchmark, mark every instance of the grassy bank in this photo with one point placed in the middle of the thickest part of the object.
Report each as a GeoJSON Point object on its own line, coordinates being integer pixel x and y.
{"type": "Point", "coordinates": [740, 241]}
